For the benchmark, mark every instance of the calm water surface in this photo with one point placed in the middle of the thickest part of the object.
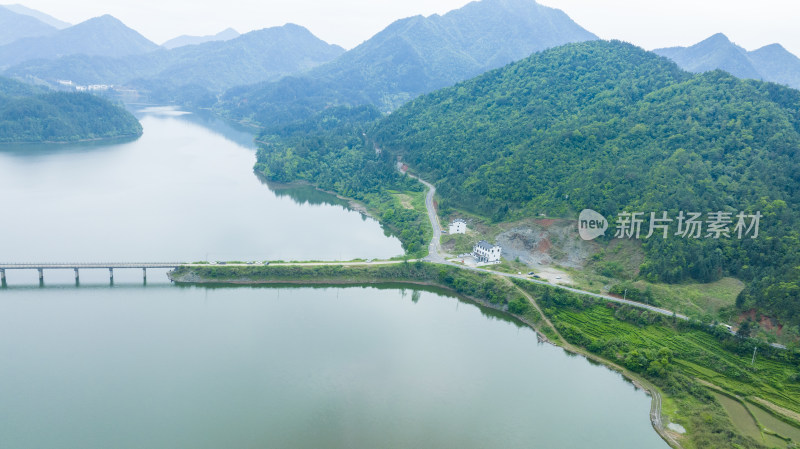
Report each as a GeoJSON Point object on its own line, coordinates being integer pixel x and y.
{"type": "Point", "coordinates": [161, 366]}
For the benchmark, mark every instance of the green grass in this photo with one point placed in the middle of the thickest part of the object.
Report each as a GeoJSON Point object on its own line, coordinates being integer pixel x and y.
{"type": "Point", "coordinates": [705, 301]}
{"type": "Point", "coordinates": [697, 353]}
{"type": "Point", "coordinates": [739, 416]}
{"type": "Point", "coordinates": [410, 225]}
{"type": "Point", "coordinates": [509, 266]}
{"type": "Point", "coordinates": [696, 299]}
{"type": "Point", "coordinates": [457, 244]}
{"type": "Point", "coordinates": [773, 425]}
{"type": "Point", "coordinates": [481, 287]}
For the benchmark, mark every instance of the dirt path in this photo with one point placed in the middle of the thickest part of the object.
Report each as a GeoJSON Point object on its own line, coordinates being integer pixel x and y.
{"type": "Point", "coordinates": [655, 402]}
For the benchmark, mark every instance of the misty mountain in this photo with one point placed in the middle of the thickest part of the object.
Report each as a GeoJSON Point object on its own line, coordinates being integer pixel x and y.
{"type": "Point", "coordinates": [12, 88]}
{"type": "Point", "coordinates": [771, 63]}
{"type": "Point", "coordinates": [180, 41]}
{"type": "Point", "coordinates": [15, 26]}
{"type": "Point", "coordinates": [100, 36]}
{"type": "Point", "coordinates": [256, 56]}
{"type": "Point", "coordinates": [266, 54]}
{"type": "Point", "coordinates": [410, 57]}
{"type": "Point", "coordinates": [48, 19]}
{"type": "Point", "coordinates": [777, 64]}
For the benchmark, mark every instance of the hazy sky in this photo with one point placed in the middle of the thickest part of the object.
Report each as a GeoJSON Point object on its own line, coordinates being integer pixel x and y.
{"type": "Point", "coordinates": [647, 23]}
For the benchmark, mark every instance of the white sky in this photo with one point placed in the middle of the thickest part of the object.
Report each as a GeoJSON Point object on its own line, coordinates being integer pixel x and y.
{"type": "Point", "coordinates": [648, 23]}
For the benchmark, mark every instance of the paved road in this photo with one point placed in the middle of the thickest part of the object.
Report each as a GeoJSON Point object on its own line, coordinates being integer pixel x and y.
{"type": "Point", "coordinates": [434, 249]}
{"type": "Point", "coordinates": [435, 255]}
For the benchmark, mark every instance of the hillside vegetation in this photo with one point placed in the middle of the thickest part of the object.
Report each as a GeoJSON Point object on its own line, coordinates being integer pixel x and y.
{"type": "Point", "coordinates": [611, 127]}
{"type": "Point", "coordinates": [331, 151]}
{"type": "Point", "coordinates": [32, 114]}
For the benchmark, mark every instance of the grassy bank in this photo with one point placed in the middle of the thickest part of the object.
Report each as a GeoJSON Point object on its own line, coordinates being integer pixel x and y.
{"type": "Point", "coordinates": [476, 286]}
{"type": "Point", "coordinates": [682, 359]}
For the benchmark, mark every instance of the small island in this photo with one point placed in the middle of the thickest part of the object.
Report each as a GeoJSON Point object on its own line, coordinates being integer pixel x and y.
{"type": "Point", "coordinates": [32, 114]}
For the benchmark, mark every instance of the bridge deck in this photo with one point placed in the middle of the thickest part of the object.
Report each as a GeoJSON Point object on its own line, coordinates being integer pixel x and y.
{"type": "Point", "coordinates": [64, 265]}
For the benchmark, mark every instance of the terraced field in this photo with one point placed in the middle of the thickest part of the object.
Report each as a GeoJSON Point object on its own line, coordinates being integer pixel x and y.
{"type": "Point", "coordinates": [696, 353]}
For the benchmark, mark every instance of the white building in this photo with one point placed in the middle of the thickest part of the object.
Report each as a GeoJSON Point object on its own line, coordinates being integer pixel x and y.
{"type": "Point", "coordinates": [484, 252]}
{"type": "Point", "coordinates": [458, 226]}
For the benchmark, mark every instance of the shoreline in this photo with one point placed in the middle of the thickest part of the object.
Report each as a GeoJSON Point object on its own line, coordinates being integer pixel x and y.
{"type": "Point", "coordinates": [67, 142]}
{"type": "Point", "coordinates": [656, 416]}
{"type": "Point", "coordinates": [351, 203]}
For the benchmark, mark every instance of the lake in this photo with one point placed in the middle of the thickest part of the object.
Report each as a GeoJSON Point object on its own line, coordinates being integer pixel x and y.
{"type": "Point", "coordinates": [163, 366]}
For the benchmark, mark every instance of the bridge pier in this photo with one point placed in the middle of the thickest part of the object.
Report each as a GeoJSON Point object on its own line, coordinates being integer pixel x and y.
{"type": "Point", "coordinates": [76, 267]}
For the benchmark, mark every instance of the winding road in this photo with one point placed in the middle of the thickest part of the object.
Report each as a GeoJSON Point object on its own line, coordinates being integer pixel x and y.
{"type": "Point", "coordinates": [436, 255]}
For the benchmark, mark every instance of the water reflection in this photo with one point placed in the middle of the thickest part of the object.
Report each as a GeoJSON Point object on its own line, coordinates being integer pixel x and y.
{"type": "Point", "coordinates": [183, 191]}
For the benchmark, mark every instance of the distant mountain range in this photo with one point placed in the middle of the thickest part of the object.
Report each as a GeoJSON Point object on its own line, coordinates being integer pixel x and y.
{"type": "Point", "coordinates": [42, 17]}
{"type": "Point", "coordinates": [410, 57]}
{"type": "Point", "coordinates": [100, 36]}
{"type": "Point", "coordinates": [15, 26]}
{"type": "Point", "coordinates": [180, 41]}
{"type": "Point", "coordinates": [771, 63]}
{"type": "Point", "coordinates": [283, 74]}
{"type": "Point", "coordinates": [260, 55]}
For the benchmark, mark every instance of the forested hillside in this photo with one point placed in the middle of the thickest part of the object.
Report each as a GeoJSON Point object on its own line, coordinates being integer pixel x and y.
{"type": "Point", "coordinates": [331, 151]}
{"type": "Point", "coordinates": [611, 127]}
{"type": "Point", "coordinates": [32, 114]}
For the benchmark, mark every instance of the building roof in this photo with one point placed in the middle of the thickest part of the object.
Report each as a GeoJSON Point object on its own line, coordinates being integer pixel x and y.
{"type": "Point", "coordinates": [483, 244]}
{"type": "Point", "coordinates": [459, 220]}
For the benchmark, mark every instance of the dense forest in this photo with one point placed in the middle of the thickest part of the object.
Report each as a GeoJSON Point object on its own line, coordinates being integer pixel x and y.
{"type": "Point", "coordinates": [32, 114]}
{"type": "Point", "coordinates": [611, 127]}
{"type": "Point", "coordinates": [331, 151]}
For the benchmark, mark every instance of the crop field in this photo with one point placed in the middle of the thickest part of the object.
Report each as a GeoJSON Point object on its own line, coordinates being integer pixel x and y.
{"type": "Point", "coordinates": [697, 353]}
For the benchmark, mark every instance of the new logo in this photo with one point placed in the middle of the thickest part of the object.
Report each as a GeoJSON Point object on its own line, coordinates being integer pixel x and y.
{"type": "Point", "coordinates": [591, 224]}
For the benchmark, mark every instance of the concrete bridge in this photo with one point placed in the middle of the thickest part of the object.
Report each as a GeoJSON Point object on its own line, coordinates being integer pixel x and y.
{"type": "Point", "coordinates": [110, 266]}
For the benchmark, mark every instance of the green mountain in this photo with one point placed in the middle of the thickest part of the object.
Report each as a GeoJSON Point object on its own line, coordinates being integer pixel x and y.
{"type": "Point", "coordinates": [180, 41]}
{"type": "Point", "coordinates": [260, 55]}
{"type": "Point", "coordinates": [605, 126]}
{"type": "Point", "coordinates": [33, 114]}
{"type": "Point", "coordinates": [100, 36]}
{"type": "Point", "coordinates": [410, 57]}
{"type": "Point", "coordinates": [770, 63]}
{"type": "Point", "coordinates": [15, 26]}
